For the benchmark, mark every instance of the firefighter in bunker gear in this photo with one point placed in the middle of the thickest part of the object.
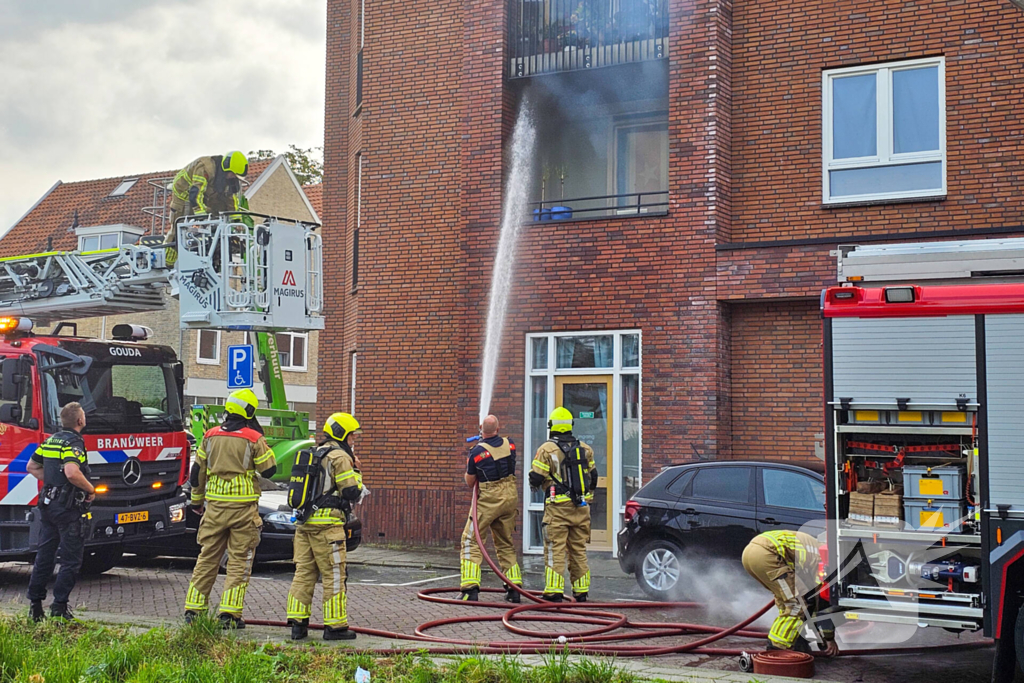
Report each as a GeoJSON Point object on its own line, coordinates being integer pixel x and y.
{"type": "Point", "coordinates": [319, 545]}
{"type": "Point", "coordinates": [224, 477]}
{"type": "Point", "coordinates": [564, 469]}
{"type": "Point", "coordinates": [207, 185]}
{"type": "Point", "coordinates": [786, 563]}
{"type": "Point", "coordinates": [61, 462]}
{"type": "Point", "coordinates": [491, 467]}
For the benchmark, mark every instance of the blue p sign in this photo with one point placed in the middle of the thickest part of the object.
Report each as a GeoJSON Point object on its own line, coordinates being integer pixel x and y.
{"type": "Point", "coordinates": [240, 367]}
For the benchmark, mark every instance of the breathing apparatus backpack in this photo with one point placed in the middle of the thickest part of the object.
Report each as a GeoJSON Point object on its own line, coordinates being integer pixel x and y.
{"type": "Point", "coordinates": [306, 485]}
{"type": "Point", "coordinates": [575, 472]}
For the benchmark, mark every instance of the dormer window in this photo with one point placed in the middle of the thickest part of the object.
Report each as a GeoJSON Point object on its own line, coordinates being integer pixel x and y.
{"type": "Point", "coordinates": [100, 237]}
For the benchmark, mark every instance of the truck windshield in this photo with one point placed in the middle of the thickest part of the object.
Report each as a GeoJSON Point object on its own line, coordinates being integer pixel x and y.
{"type": "Point", "coordinates": [117, 398]}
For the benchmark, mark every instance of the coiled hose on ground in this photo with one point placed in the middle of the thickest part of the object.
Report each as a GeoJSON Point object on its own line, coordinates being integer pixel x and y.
{"type": "Point", "coordinates": [602, 632]}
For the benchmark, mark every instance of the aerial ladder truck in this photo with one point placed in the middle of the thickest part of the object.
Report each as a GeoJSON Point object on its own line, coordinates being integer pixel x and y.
{"type": "Point", "coordinates": [250, 272]}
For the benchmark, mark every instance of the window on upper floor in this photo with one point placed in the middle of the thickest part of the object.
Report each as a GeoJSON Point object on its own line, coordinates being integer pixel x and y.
{"type": "Point", "coordinates": [96, 238]}
{"type": "Point", "coordinates": [884, 132]}
{"type": "Point", "coordinates": [208, 347]}
{"type": "Point", "coordinates": [291, 350]}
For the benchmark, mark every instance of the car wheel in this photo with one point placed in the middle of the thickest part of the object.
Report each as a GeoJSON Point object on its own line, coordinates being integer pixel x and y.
{"type": "Point", "coordinates": [659, 568]}
{"type": "Point", "coordinates": [100, 560]}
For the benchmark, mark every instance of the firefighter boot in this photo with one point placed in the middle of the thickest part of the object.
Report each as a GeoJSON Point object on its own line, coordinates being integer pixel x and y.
{"type": "Point", "coordinates": [470, 594]}
{"type": "Point", "coordinates": [230, 621]}
{"type": "Point", "coordinates": [36, 611]}
{"type": "Point", "coordinates": [339, 633]}
{"type": "Point", "coordinates": [300, 628]}
{"type": "Point", "coordinates": [551, 597]}
{"type": "Point", "coordinates": [580, 597]}
{"type": "Point", "coordinates": [61, 612]}
{"type": "Point", "coordinates": [190, 616]}
{"type": "Point", "coordinates": [512, 595]}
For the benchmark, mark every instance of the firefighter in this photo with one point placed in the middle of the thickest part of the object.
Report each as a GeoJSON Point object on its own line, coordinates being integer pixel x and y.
{"type": "Point", "coordinates": [564, 470]}
{"type": "Point", "coordinates": [224, 477]}
{"type": "Point", "coordinates": [319, 544]}
{"type": "Point", "coordinates": [492, 467]}
{"type": "Point", "coordinates": [786, 563]}
{"type": "Point", "coordinates": [61, 462]}
{"type": "Point", "coordinates": [207, 185]}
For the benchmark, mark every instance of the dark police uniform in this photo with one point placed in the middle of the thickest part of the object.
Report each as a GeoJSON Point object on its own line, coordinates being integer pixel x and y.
{"type": "Point", "coordinates": [493, 462]}
{"type": "Point", "coordinates": [65, 522]}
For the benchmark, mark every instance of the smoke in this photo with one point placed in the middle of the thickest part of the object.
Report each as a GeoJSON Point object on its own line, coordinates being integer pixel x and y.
{"type": "Point", "coordinates": [727, 591]}
{"type": "Point", "coordinates": [514, 214]}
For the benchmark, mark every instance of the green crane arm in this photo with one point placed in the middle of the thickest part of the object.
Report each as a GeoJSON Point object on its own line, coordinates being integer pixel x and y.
{"type": "Point", "coordinates": [270, 371]}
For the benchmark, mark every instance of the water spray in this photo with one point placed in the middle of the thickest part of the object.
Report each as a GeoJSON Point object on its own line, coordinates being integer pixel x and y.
{"type": "Point", "coordinates": [514, 214]}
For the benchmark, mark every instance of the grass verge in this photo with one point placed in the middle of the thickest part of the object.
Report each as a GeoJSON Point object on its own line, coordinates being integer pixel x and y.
{"type": "Point", "coordinates": [92, 653]}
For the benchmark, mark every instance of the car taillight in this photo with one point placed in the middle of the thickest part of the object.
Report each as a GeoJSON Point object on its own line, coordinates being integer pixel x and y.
{"type": "Point", "coordinates": [632, 507]}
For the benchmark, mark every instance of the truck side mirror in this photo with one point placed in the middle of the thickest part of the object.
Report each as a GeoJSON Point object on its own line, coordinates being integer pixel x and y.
{"type": "Point", "coordinates": [14, 372]}
{"type": "Point", "coordinates": [10, 413]}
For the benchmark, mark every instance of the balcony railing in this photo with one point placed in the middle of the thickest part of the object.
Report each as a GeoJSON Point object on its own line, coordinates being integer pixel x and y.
{"type": "Point", "coordinates": [606, 206]}
{"type": "Point", "coordinates": [566, 35]}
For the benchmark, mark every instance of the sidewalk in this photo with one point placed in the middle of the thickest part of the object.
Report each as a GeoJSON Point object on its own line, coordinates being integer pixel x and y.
{"type": "Point", "coordinates": [602, 564]}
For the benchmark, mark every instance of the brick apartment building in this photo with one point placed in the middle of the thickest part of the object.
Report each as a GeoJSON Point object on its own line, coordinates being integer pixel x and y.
{"type": "Point", "coordinates": [711, 153]}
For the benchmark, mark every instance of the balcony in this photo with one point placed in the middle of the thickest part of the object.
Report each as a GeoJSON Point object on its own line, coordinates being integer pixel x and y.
{"type": "Point", "coordinates": [547, 36]}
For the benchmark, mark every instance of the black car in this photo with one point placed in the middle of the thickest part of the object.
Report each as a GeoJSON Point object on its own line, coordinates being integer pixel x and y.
{"type": "Point", "coordinates": [275, 540]}
{"type": "Point", "coordinates": [711, 510]}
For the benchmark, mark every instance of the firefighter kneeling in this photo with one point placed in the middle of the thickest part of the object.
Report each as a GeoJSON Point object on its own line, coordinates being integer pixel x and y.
{"type": "Point", "coordinates": [786, 563]}
{"type": "Point", "coordinates": [324, 484]}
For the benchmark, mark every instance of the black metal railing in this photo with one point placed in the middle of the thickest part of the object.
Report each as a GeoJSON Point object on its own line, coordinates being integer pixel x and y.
{"type": "Point", "coordinates": [566, 35]}
{"type": "Point", "coordinates": [605, 206]}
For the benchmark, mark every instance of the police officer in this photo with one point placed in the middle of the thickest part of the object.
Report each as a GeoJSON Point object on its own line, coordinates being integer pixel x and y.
{"type": "Point", "coordinates": [224, 477]}
{"type": "Point", "coordinates": [786, 563]}
{"type": "Point", "coordinates": [61, 462]}
{"type": "Point", "coordinates": [491, 466]}
{"type": "Point", "coordinates": [319, 545]}
{"type": "Point", "coordinates": [564, 470]}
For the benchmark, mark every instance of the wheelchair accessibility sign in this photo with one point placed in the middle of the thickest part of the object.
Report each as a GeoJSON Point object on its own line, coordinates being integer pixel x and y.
{"type": "Point", "coordinates": [240, 367]}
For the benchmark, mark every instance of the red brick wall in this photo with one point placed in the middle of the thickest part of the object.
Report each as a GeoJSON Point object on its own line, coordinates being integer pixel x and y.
{"type": "Point", "coordinates": [776, 380]}
{"type": "Point", "coordinates": [778, 57]}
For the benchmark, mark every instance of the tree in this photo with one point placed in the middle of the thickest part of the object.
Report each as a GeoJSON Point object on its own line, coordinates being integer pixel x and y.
{"type": "Point", "coordinates": [306, 164]}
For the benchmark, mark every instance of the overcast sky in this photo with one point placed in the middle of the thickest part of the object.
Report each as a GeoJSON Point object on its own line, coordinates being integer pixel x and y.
{"type": "Point", "coordinates": [102, 88]}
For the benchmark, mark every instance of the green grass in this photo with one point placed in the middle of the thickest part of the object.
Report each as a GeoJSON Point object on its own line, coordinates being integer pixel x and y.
{"type": "Point", "coordinates": [90, 653]}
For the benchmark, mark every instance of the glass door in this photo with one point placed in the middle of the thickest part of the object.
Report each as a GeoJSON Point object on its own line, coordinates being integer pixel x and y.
{"type": "Point", "coordinates": [586, 397]}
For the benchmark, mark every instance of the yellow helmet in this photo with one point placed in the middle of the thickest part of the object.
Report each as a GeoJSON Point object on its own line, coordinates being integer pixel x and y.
{"type": "Point", "coordinates": [242, 402]}
{"type": "Point", "coordinates": [560, 420]}
{"type": "Point", "coordinates": [235, 162]}
{"type": "Point", "coordinates": [340, 425]}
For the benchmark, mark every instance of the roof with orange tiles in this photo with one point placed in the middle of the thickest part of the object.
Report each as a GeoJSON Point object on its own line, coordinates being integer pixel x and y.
{"type": "Point", "coordinates": [315, 194]}
{"type": "Point", "coordinates": [51, 223]}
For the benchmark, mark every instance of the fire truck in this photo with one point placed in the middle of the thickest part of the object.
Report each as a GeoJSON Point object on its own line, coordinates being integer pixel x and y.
{"type": "Point", "coordinates": [923, 349]}
{"type": "Point", "coordinates": [259, 274]}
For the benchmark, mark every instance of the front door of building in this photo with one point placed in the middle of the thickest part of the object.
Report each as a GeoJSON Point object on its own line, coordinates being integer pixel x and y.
{"type": "Point", "coordinates": [587, 398]}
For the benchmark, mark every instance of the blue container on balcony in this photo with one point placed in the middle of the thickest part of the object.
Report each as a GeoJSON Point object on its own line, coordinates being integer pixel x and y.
{"type": "Point", "coordinates": [561, 213]}
{"type": "Point", "coordinates": [541, 215]}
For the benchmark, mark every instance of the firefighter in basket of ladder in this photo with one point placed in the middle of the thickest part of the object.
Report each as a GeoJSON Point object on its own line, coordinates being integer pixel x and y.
{"type": "Point", "coordinates": [492, 467]}
{"type": "Point", "coordinates": [224, 477]}
{"type": "Point", "coordinates": [564, 469]}
{"type": "Point", "coordinates": [207, 185]}
{"type": "Point", "coordinates": [786, 563]}
{"type": "Point", "coordinates": [324, 484]}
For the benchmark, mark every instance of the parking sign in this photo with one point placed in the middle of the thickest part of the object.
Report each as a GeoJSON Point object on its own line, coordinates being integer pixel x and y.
{"type": "Point", "coordinates": [240, 367]}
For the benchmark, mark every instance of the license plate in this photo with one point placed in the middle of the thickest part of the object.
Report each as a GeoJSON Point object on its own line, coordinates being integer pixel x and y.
{"type": "Point", "coordinates": [129, 517]}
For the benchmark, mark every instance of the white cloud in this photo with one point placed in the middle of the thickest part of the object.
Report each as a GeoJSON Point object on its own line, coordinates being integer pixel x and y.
{"type": "Point", "coordinates": [90, 92]}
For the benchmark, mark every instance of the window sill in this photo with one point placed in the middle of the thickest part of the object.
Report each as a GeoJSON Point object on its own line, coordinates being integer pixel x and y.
{"type": "Point", "coordinates": [207, 361]}
{"type": "Point", "coordinates": [880, 202]}
{"type": "Point", "coordinates": [284, 369]}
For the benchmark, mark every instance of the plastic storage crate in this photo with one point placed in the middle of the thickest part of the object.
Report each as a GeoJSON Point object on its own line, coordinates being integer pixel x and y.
{"type": "Point", "coordinates": [934, 483]}
{"type": "Point", "coordinates": [944, 516]}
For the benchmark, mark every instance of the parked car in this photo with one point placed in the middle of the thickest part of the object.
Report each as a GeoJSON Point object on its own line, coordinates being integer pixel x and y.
{"type": "Point", "coordinates": [275, 541]}
{"type": "Point", "coordinates": [711, 510]}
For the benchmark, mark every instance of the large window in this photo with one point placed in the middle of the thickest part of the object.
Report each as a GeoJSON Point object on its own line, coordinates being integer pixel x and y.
{"type": "Point", "coordinates": [291, 350]}
{"type": "Point", "coordinates": [97, 238]}
{"type": "Point", "coordinates": [208, 347]}
{"type": "Point", "coordinates": [884, 130]}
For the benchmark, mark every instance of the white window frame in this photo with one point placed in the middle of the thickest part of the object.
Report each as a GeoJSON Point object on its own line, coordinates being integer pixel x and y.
{"type": "Point", "coordinates": [216, 348]}
{"type": "Point", "coordinates": [122, 189]}
{"type": "Point", "coordinates": [126, 234]}
{"type": "Point", "coordinates": [883, 132]}
{"type": "Point", "coordinates": [534, 546]}
{"type": "Point", "coordinates": [291, 353]}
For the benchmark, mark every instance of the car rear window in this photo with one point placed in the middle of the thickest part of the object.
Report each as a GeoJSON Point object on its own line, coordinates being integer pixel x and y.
{"type": "Point", "coordinates": [730, 484]}
{"type": "Point", "coordinates": [679, 483]}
